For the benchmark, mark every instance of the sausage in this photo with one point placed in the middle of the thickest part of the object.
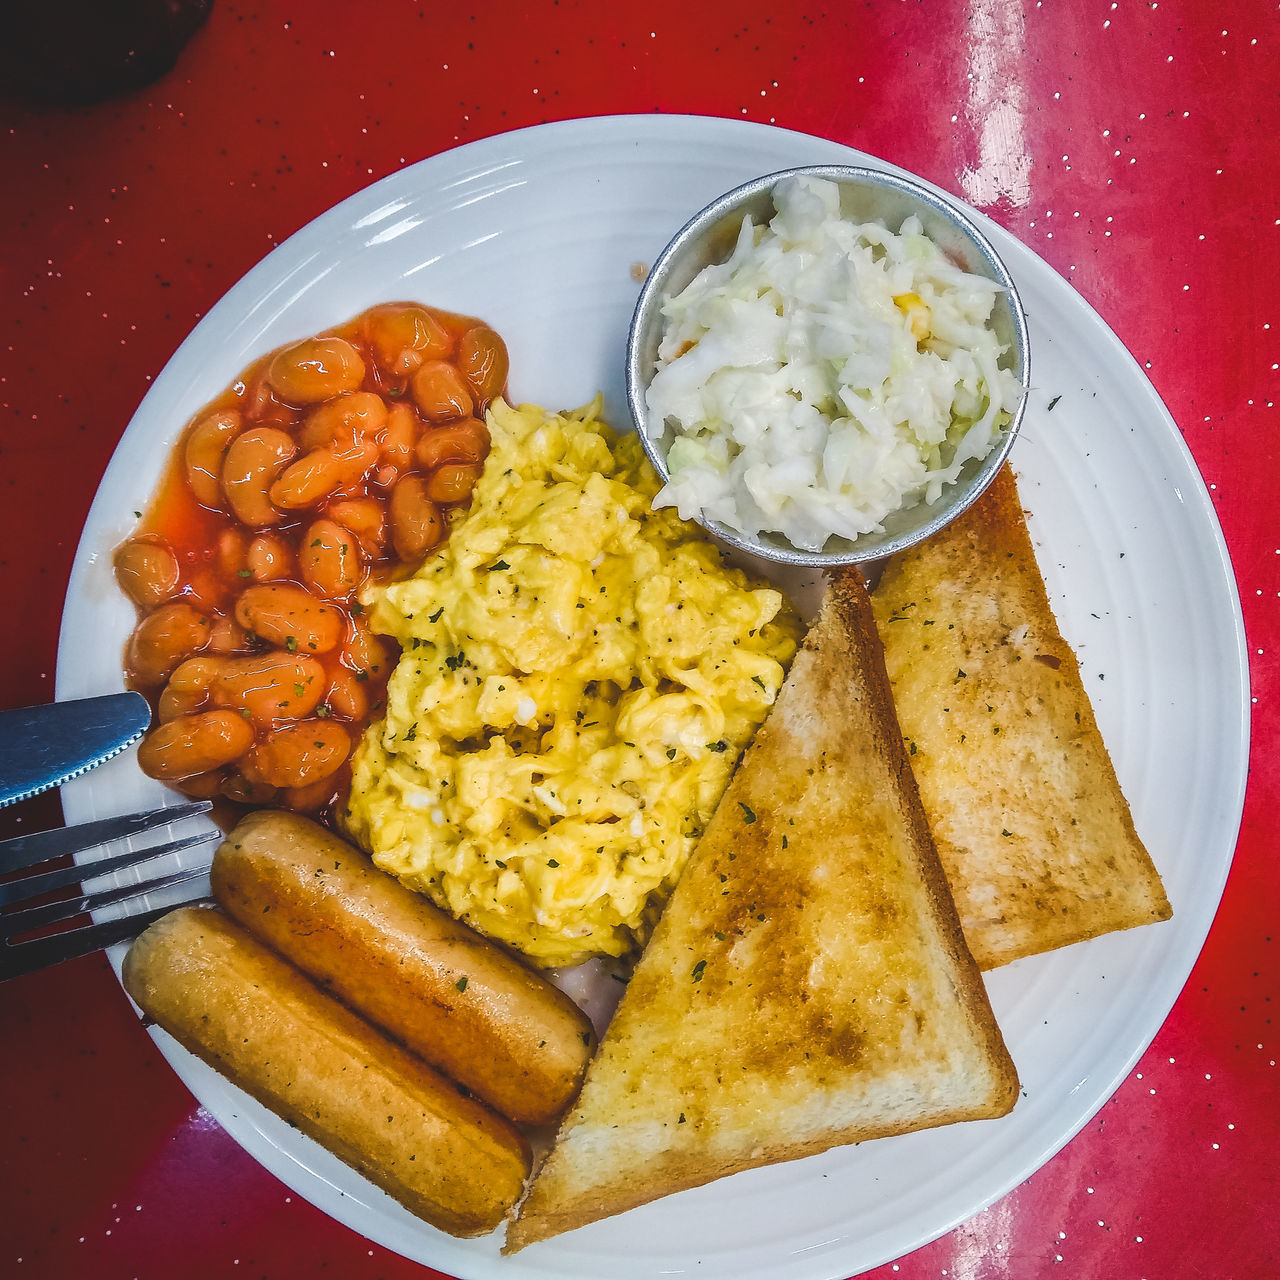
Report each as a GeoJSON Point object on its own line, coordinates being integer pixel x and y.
{"type": "Point", "coordinates": [433, 984]}
{"type": "Point", "coordinates": [223, 995]}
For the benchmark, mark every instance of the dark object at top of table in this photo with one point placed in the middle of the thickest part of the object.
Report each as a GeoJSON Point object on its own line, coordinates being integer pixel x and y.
{"type": "Point", "coordinates": [80, 52]}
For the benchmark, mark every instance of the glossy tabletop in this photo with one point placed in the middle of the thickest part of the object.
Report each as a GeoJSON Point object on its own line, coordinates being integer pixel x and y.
{"type": "Point", "coordinates": [1134, 146]}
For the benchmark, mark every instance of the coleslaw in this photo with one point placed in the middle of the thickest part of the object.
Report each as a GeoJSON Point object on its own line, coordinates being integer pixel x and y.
{"type": "Point", "coordinates": [825, 375]}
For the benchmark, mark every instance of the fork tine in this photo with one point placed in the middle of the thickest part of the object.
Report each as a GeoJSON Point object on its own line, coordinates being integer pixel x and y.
{"type": "Point", "coordinates": [17, 922]}
{"type": "Point", "coordinates": [40, 846]}
{"type": "Point", "coordinates": [43, 953]}
{"type": "Point", "coordinates": [45, 881]}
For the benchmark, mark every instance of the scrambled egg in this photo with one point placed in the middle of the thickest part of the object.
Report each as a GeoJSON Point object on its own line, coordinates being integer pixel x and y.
{"type": "Point", "coordinates": [579, 675]}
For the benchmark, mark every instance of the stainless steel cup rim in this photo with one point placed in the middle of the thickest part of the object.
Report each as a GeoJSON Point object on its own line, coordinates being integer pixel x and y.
{"type": "Point", "coordinates": [700, 241]}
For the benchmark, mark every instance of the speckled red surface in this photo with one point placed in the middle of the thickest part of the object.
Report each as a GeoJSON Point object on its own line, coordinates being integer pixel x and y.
{"type": "Point", "coordinates": [1134, 146]}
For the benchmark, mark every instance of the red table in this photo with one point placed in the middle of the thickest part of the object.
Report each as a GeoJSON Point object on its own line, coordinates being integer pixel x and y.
{"type": "Point", "coordinates": [1134, 146]}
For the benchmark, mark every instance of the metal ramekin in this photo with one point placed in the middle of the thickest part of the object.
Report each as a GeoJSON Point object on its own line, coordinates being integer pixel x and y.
{"type": "Point", "coordinates": [865, 195]}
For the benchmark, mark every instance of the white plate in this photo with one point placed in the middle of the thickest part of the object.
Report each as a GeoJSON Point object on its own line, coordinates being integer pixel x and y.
{"type": "Point", "coordinates": [538, 231]}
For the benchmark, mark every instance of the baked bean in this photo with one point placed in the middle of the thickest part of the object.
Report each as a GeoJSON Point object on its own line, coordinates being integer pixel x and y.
{"type": "Point", "coordinates": [206, 446]}
{"type": "Point", "coordinates": [329, 560]}
{"type": "Point", "coordinates": [163, 639]}
{"type": "Point", "coordinates": [466, 441]}
{"type": "Point", "coordinates": [173, 703]}
{"type": "Point", "coordinates": [482, 359]}
{"type": "Point", "coordinates": [453, 482]}
{"type": "Point", "coordinates": [402, 337]}
{"type": "Point", "coordinates": [365, 653]}
{"type": "Point", "coordinates": [232, 545]}
{"type": "Point", "coordinates": [226, 635]}
{"type": "Point", "coordinates": [204, 786]}
{"type": "Point", "coordinates": [193, 745]}
{"type": "Point", "coordinates": [290, 618]}
{"type": "Point", "coordinates": [441, 392]}
{"type": "Point", "coordinates": [298, 755]}
{"type": "Point", "coordinates": [147, 570]}
{"type": "Point", "coordinates": [252, 463]}
{"type": "Point", "coordinates": [205, 589]}
{"type": "Point", "coordinates": [198, 673]}
{"type": "Point", "coordinates": [346, 696]}
{"type": "Point", "coordinates": [270, 686]}
{"type": "Point", "coordinates": [397, 440]}
{"type": "Point", "coordinates": [269, 558]}
{"type": "Point", "coordinates": [365, 517]}
{"type": "Point", "coordinates": [317, 795]}
{"type": "Point", "coordinates": [188, 687]}
{"type": "Point", "coordinates": [322, 471]}
{"type": "Point", "coordinates": [263, 409]}
{"type": "Point", "coordinates": [235, 786]}
{"type": "Point", "coordinates": [416, 523]}
{"type": "Point", "coordinates": [316, 369]}
{"type": "Point", "coordinates": [355, 416]}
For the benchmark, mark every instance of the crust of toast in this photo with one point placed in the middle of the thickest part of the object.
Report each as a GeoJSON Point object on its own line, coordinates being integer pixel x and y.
{"type": "Point", "coordinates": [808, 984]}
{"type": "Point", "coordinates": [1026, 811]}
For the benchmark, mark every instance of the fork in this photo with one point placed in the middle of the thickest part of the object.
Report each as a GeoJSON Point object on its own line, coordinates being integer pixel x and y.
{"type": "Point", "coordinates": [21, 953]}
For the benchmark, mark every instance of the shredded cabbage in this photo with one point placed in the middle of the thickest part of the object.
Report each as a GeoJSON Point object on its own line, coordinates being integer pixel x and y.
{"type": "Point", "coordinates": [825, 375]}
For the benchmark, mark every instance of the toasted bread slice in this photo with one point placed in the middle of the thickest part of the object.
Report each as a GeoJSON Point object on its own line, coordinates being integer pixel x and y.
{"type": "Point", "coordinates": [808, 984]}
{"type": "Point", "coordinates": [1027, 815]}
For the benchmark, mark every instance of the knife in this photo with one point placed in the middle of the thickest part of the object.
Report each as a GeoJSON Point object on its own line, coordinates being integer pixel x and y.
{"type": "Point", "coordinates": [45, 746]}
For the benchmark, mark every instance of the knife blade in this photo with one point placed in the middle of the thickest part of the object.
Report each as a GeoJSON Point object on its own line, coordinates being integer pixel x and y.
{"type": "Point", "coordinates": [45, 746]}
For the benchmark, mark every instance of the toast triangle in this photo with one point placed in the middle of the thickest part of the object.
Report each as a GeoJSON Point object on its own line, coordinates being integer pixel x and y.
{"type": "Point", "coordinates": [808, 984]}
{"type": "Point", "coordinates": [1027, 815]}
